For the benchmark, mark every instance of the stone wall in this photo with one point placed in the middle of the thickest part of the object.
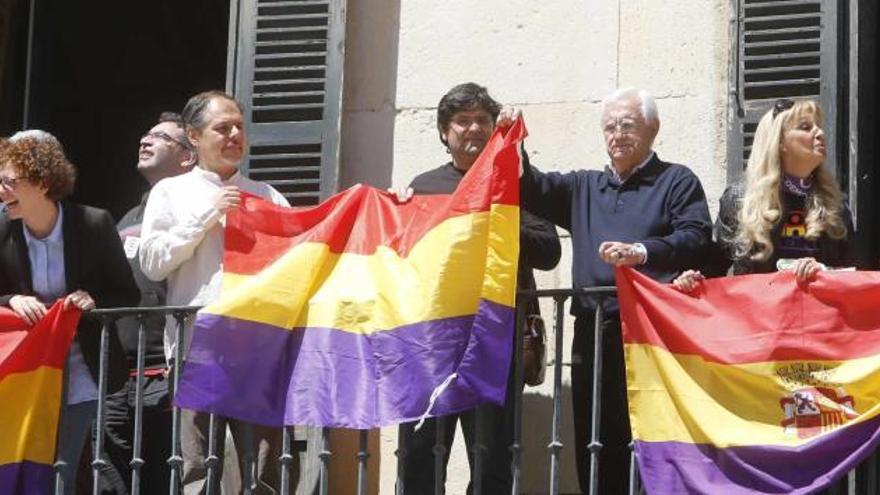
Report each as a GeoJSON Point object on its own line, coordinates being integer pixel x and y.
{"type": "Point", "coordinates": [554, 60]}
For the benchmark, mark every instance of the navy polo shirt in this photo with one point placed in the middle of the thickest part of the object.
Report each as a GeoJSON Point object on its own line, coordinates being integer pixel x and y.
{"type": "Point", "coordinates": [662, 205]}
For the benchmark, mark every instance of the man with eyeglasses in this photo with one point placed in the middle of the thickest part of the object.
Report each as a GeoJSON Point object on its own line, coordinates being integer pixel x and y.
{"type": "Point", "coordinates": [639, 211]}
{"type": "Point", "coordinates": [163, 152]}
{"type": "Point", "coordinates": [465, 120]}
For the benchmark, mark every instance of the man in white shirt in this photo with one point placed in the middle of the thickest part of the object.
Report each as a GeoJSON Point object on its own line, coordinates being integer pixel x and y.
{"type": "Point", "coordinates": [182, 241]}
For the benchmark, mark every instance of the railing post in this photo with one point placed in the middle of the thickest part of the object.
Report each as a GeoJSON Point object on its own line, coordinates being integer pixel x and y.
{"type": "Point", "coordinates": [516, 447]}
{"type": "Point", "coordinates": [249, 477]}
{"type": "Point", "coordinates": [439, 456]}
{"type": "Point", "coordinates": [325, 460]}
{"type": "Point", "coordinates": [401, 453]}
{"type": "Point", "coordinates": [137, 462]}
{"type": "Point", "coordinates": [595, 441]}
{"type": "Point", "coordinates": [477, 450]}
{"type": "Point", "coordinates": [633, 471]}
{"type": "Point", "coordinates": [555, 445]}
{"type": "Point", "coordinates": [362, 456]}
{"type": "Point", "coordinates": [175, 462]}
{"type": "Point", "coordinates": [99, 463]}
{"type": "Point", "coordinates": [212, 462]}
{"type": "Point", "coordinates": [286, 460]}
{"type": "Point", "coordinates": [60, 467]}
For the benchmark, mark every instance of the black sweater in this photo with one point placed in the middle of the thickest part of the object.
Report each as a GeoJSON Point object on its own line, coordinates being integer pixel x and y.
{"type": "Point", "coordinates": [152, 294]}
{"type": "Point", "coordinates": [662, 206]}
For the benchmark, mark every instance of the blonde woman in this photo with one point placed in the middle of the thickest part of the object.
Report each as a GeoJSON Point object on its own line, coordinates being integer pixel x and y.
{"type": "Point", "coordinates": [790, 213]}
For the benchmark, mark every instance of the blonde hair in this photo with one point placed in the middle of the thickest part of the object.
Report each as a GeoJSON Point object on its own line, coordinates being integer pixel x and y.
{"type": "Point", "coordinates": [762, 204]}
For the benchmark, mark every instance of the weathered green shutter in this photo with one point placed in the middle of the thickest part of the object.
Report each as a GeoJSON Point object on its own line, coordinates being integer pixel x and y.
{"type": "Point", "coordinates": [782, 49]}
{"type": "Point", "coordinates": [285, 67]}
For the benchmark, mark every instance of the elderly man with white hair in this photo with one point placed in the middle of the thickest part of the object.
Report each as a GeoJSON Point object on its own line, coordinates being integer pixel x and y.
{"type": "Point", "coordinates": [639, 211]}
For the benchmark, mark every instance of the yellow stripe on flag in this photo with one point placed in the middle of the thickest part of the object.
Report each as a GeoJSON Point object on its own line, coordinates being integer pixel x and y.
{"type": "Point", "coordinates": [682, 398]}
{"type": "Point", "coordinates": [440, 278]}
{"type": "Point", "coordinates": [30, 422]}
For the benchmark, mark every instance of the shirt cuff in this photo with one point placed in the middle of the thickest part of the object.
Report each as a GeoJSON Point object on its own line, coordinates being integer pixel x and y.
{"type": "Point", "coordinates": [207, 218]}
{"type": "Point", "coordinates": [642, 251]}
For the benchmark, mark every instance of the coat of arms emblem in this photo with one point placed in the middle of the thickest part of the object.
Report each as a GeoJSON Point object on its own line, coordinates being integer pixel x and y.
{"type": "Point", "coordinates": [811, 410]}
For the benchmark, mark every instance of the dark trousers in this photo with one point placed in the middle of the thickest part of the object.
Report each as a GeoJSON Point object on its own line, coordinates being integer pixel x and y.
{"type": "Point", "coordinates": [156, 437]}
{"type": "Point", "coordinates": [614, 458]}
{"type": "Point", "coordinates": [495, 434]}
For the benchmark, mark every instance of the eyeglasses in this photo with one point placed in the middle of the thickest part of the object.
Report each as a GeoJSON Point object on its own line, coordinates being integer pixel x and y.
{"type": "Point", "coordinates": [164, 136]}
{"type": "Point", "coordinates": [9, 182]}
{"type": "Point", "coordinates": [782, 105]}
{"type": "Point", "coordinates": [624, 126]}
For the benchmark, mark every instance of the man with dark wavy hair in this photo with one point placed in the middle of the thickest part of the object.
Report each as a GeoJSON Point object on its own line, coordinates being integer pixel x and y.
{"type": "Point", "coordinates": [465, 120]}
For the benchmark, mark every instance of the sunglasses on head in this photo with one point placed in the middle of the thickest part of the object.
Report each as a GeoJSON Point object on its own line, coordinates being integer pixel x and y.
{"type": "Point", "coordinates": [782, 105]}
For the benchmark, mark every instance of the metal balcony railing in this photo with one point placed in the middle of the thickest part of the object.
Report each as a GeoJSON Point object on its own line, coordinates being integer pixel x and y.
{"type": "Point", "coordinates": [863, 480]}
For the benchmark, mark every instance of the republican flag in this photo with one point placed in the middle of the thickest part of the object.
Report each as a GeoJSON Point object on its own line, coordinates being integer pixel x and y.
{"type": "Point", "coordinates": [31, 368]}
{"type": "Point", "coordinates": [355, 312]}
{"type": "Point", "coordinates": [754, 384]}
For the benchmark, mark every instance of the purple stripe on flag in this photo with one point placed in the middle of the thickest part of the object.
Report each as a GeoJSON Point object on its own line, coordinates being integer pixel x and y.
{"type": "Point", "coordinates": [327, 377]}
{"type": "Point", "coordinates": [677, 467]}
{"type": "Point", "coordinates": [26, 478]}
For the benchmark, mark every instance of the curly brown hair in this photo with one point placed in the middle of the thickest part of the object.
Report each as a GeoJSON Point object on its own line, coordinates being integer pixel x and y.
{"type": "Point", "coordinates": [42, 162]}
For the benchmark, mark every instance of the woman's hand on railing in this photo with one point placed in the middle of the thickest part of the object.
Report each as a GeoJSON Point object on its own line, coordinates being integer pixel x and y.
{"type": "Point", "coordinates": [28, 308]}
{"type": "Point", "coordinates": [80, 299]}
{"type": "Point", "coordinates": [688, 281]}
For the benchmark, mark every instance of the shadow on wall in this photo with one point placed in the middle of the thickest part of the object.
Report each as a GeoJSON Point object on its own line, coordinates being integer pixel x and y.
{"type": "Point", "coordinates": [537, 431]}
{"type": "Point", "coordinates": [369, 93]}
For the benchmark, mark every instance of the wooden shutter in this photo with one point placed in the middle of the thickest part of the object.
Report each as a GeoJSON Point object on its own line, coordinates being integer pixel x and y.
{"type": "Point", "coordinates": [782, 49]}
{"type": "Point", "coordinates": [285, 67]}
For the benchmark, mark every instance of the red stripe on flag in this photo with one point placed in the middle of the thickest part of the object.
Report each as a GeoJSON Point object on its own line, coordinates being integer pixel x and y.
{"type": "Point", "coordinates": [46, 344]}
{"type": "Point", "coordinates": [755, 318]}
{"type": "Point", "coordinates": [362, 218]}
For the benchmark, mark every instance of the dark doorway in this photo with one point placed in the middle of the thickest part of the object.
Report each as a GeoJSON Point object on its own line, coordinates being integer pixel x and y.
{"type": "Point", "coordinates": [103, 70]}
{"type": "Point", "coordinates": [866, 77]}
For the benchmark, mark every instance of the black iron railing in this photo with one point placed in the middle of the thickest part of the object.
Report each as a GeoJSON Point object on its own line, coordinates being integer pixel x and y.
{"type": "Point", "coordinates": [863, 480]}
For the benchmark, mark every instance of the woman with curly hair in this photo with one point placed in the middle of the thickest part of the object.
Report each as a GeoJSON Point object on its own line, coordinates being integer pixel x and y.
{"type": "Point", "coordinates": [52, 249]}
{"type": "Point", "coordinates": [790, 213]}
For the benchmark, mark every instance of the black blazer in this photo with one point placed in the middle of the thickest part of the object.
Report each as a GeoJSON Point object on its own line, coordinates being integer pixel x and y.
{"type": "Point", "coordinates": [93, 261]}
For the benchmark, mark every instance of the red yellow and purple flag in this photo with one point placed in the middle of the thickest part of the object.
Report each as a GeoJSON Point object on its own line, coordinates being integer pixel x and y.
{"type": "Point", "coordinates": [31, 368]}
{"type": "Point", "coordinates": [351, 313]}
{"type": "Point", "coordinates": [754, 384]}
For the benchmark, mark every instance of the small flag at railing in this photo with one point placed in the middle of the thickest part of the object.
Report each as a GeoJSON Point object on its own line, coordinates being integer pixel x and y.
{"type": "Point", "coordinates": [31, 368]}
{"type": "Point", "coordinates": [352, 313]}
{"type": "Point", "coordinates": [753, 384]}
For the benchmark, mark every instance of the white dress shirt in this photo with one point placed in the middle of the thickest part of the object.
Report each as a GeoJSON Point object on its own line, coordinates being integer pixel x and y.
{"type": "Point", "coordinates": [182, 240]}
{"type": "Point", "coordinates": [49, 282]}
